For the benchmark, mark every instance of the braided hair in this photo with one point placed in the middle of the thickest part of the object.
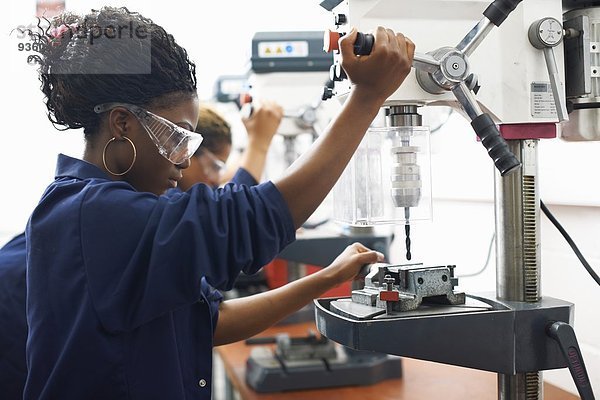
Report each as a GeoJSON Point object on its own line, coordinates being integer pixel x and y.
{"type": "Point", "coordinates": [108, 55]}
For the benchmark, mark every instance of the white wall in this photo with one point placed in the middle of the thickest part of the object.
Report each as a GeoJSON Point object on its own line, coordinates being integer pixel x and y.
{"type": "Point", "coordinates": [29, 142]}
{"type": "Point", "coordinates": [217, 37]}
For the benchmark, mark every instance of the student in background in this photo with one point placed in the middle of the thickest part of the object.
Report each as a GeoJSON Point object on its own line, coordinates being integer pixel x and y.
{"type": "Point", "coordinates": [208, 164]}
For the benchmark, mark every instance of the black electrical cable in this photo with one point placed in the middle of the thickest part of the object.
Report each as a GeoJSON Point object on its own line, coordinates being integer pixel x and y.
{"type": "Point", "coordinates": [580, 256]}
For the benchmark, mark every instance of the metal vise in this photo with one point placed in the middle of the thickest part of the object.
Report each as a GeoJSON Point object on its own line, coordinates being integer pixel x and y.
{"type": "Point", "coordinates": [398, 288]}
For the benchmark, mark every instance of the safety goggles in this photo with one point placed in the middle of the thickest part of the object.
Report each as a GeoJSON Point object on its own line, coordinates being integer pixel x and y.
{"type": "Point", "coordinates": [212, 164]}
{"type": "Point", "coordinates": [174, 143]}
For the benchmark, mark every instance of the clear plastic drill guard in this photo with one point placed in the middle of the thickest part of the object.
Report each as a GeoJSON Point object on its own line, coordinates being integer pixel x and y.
{"type": "Point", "coordinates": [388, 180]}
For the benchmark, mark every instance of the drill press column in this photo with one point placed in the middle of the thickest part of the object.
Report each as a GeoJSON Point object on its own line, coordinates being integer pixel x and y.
{"type": "Point", "coordinates": [518, 252]}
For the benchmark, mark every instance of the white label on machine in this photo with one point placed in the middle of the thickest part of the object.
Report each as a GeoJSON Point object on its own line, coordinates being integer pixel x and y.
{"type": "Point", "coordinates": [283, 49]}
{"type": "Point", "coordinates": [542, 100]}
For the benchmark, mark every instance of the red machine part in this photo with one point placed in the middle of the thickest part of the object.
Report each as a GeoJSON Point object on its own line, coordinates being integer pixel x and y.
{"type": "Point", "coordinates": [330, 41]}
{"type": "Point", "coordinates": [277, 275]}
{"type": "Point", "coordinates": [546, 130]}
{"type": "Point", "coordinates": [389, 295]}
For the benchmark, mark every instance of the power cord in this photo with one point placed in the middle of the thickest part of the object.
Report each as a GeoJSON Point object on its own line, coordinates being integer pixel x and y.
{"type": "Point", "coordinates": [446, 119]}
{"type": "Point", "coordinates": [580, 256]}
{"type": "Point", "coordinates": [487, 261]}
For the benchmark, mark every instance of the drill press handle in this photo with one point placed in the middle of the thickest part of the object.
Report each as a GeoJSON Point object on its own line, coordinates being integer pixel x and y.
{"type": "Point", "coordinates": [448, 70]}
{"type": "Point", "coordinates": [499, 10]}
{"type": "Point", "coordinates": [485, 128]}
{"type": "Point", "coordinates": [564, 334]}
{"type": "Point", "coordinates": [497, 148]}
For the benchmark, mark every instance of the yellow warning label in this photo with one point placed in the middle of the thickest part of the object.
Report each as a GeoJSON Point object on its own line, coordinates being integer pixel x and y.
{"type": "Point", "coordinates": [283, 49]}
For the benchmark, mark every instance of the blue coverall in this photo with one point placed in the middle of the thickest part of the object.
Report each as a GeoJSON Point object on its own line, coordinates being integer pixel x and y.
{"type": "Point", "coordinates": [13, 321]}
{"type": "Point", "coordinates": [120, 283]}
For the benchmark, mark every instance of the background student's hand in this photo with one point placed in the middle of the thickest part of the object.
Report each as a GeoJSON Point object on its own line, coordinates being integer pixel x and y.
{"type": "Point", "coordinates": [380, 73]}
{"type": "Point", "coordinates": [348, 264]}
{"type": "Point", "coordinates": [263, 124]}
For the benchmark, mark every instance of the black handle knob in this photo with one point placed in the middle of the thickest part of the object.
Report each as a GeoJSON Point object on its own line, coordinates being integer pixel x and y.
{"type": "Point", "coordinates": [363, 44]}
{"type": "Point", "coordinates": [564, 334]}
{"type": "Point", "coordinates": [327, 93]}
{"type": "Point", "coordinates": [499, 10]}
{"type": "Point", "coordinates": [495, 144]}
{"type": "Point", "coordinates": [340, 19]}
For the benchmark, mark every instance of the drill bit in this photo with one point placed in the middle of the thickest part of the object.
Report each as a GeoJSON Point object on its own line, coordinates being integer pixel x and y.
{"type": "Point", "coordinates": [407, 232]}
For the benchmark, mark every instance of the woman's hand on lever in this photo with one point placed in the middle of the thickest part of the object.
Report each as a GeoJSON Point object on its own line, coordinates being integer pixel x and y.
{"type": "Point", "coordinates": [379, 74]}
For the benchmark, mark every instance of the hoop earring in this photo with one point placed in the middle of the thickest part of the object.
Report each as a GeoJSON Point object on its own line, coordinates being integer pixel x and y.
{"type": "Point", "coordinates": [104, 156]}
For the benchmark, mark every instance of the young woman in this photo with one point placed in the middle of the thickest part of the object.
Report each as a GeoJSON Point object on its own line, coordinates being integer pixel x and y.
{"type": "Point", "coordinates": [120, 278]}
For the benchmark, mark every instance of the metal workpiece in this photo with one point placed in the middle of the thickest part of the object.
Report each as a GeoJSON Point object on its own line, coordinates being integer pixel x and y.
{"type": "Point", "coordinates": [488, 334]}
{"type": "Point", "coordinates": [517, 217]}
{"type": "Point", "coordinates": [388, 288]}
{"type": "Point", "coordinates": [398, 288]}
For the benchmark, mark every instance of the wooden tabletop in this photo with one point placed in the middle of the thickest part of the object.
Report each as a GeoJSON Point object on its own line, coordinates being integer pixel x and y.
{"type": "Point", "coordinates": [420, 379]}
